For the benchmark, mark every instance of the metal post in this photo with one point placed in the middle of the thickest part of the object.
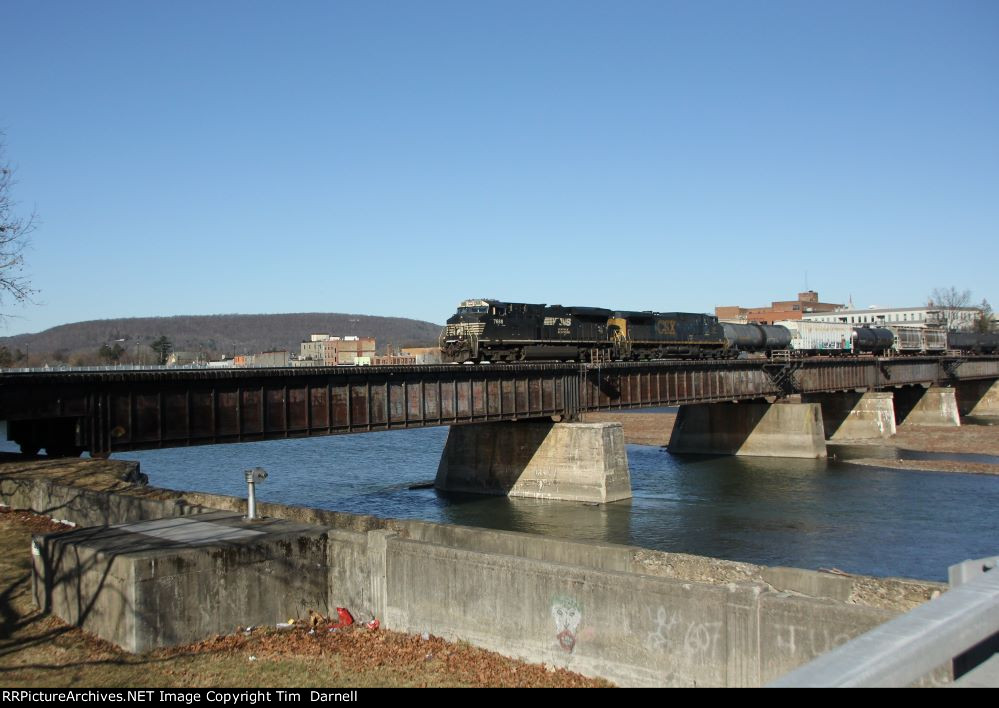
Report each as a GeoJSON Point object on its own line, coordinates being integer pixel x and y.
{"type": "Point", "coordinates": [253, 476]}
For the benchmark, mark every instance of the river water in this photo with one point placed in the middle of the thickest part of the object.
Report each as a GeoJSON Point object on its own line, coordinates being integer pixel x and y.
{"type": "Point", "coordinates": [772, 511]}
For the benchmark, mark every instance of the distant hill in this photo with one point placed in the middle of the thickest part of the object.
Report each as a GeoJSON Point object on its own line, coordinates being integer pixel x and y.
{"type": "Point", "coordinates": [218, 334]}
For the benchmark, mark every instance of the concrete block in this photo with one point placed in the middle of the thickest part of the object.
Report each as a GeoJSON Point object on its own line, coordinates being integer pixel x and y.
{"type": "Point", "coordinates": [795, 630]}
{"type": "Point", "coordinates": [978, 398]}
{"type": "Point", "coordinates": [539, 459]}
{"type": "Point", "coordinates": [809, 582]}
{"type": "Point", "coordinates": [378, 576]}
{"type": "Point", "coordinates": [742, 636]}
{"type": "Point", "coordinates": [349, 571]}
{"type": "Point", "coordinates": [937, 405]}
{"type": "Point", "coordinates": [758, 429]}
{"type": "Point", "coordinates": [588, 554]}
{"type": "Point", "coordinates": [173, 581]}
{"type": "Point", "coordinates": [855, 416]}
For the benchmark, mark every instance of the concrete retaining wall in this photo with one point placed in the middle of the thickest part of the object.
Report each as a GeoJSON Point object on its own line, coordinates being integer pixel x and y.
{"type": "Point", "coordinates": [636, 630]}
{"type": "Point", "coordinates": [88, 492]}
{"type": "Point", "coordinates": [142, 591]}
{"type": "Point", "coordinates": [635, 616]}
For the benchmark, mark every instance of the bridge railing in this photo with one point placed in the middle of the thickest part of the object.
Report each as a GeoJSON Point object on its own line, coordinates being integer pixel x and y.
{"type": "Point", "coordinates": [962, 621]}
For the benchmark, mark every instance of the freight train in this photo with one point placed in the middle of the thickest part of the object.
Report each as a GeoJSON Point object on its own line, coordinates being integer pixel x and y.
{"type": "Point", "coordinates": [495, 331]}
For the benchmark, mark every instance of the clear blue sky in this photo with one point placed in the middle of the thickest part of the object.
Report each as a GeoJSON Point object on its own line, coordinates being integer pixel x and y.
{"type": "Point", "coordinates": [393, 158]}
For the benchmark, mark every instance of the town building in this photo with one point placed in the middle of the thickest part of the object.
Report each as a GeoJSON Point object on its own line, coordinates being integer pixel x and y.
{"type": "Point", "coordinates": [423, 355]}
{"type": "Point", "coordinates": [807, 302]}
{"type": "Point", "coordinates": [273, 358]}
{"type": "Point", "coordinates": [184, 358]}
{"type": "Point", "coordinates": [327, 350]}
{"type": "Point", "coordinates": [393, 360]}
{"type": "Point", "coordinates": [961, 318]}
{"type": "Point", "coordinates": [263, 359]}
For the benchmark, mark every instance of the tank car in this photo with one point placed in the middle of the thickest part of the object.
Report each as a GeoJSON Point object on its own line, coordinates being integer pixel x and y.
{"type": "Point", "coordinates": [872, 340]}
{"type": "Point", "coordinates": [755, 337]}
{"type": "Point", "coordinates": [973, 342]}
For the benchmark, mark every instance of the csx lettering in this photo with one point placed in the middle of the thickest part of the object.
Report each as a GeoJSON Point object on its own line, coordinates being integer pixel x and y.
{"type": "Point", "coordinates": [666, 327]}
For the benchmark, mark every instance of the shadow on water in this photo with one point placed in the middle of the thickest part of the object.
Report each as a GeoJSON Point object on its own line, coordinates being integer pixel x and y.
{"type": "Point", "coordinates": [887, 452]}
{"type": "Point", "coordinates": [979, 420]}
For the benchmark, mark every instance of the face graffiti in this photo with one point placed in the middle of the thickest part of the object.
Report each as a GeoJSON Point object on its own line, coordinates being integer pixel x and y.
{"type": "Point", "coordinates": [567, 614]}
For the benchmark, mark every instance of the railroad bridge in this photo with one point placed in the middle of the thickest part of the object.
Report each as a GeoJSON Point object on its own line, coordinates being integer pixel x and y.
{"type": "Point", "coordinates": [749, 406]}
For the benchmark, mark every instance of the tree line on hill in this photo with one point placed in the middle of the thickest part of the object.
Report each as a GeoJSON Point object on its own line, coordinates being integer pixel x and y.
{"type": "Point", "coordinates": [149, 340]}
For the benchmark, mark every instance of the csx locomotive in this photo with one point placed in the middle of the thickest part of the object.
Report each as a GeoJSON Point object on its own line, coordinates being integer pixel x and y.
{"type": "Point", "coordinates": [495, 331]}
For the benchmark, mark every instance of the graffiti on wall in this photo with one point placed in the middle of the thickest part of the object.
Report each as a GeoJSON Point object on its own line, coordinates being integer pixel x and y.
{"type": "Point", "coordinates": [567, 614]}
{"type": "Point", "coordinates": [670, 633]}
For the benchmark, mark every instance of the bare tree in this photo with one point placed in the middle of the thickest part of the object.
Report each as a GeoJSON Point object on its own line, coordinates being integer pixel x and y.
{"type": "Point", "coordinates": [14, 233]}
{"type": "Point", "coordinates": [984, 322]}
{"type": "Point", "coordinates": [950, 301]}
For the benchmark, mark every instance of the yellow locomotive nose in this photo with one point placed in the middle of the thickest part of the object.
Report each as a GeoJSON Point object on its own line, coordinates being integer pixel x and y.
{"type": "Point", "coordinates": [619, 326]}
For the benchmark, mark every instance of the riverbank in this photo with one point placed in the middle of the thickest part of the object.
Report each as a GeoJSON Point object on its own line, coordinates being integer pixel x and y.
{"type": "Point", "coordinates": [655, 429]}
{"type": "Point", "coordinates": [928, 465]}
{"type": "Point", "coordinates": [38, 650]}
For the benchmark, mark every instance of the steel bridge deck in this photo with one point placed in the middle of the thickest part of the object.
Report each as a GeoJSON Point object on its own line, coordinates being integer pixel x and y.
{"type": "Point", "coordinates": [108, 411]}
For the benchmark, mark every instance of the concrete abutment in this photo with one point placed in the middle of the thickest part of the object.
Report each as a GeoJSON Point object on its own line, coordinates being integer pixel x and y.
{"type": "Point", "coordinates": [918, 405]}
{"type": "Point", "coordinates": [537, 458]}
{"type": "Point", "coordinates": [851, 415]}
{"type": "Point", "coordinates": [755, 429]}
{"type": "Point", "coordinates": [978, 398]}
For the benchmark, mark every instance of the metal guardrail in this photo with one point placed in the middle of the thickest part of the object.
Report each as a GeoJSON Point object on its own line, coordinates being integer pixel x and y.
{"type": "Point", "coordinates": [905, 649]}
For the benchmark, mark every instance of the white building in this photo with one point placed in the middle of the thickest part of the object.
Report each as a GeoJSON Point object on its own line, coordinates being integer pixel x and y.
{"type": "Point", "coordinates": [962, 318]}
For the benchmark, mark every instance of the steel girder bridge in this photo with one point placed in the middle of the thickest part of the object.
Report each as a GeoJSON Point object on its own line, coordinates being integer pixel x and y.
{"type": "Point", "coordinates": [100, 412]}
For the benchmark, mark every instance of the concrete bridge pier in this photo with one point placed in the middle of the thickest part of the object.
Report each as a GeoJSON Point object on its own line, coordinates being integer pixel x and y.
{"type": "Point", "coordinates": [537, 458]}
{"type": "Point", "coordinates": [978, 397]}
{"type": "Point", "coordinates": [756, 429]}
{"type": "Point", "coordinates": [856, 415]}
{"type": "Point", "coordinates": [918, 405]}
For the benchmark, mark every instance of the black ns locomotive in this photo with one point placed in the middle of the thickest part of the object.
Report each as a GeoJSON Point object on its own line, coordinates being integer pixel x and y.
{"type": "Point", "coordinates": [495, 331]}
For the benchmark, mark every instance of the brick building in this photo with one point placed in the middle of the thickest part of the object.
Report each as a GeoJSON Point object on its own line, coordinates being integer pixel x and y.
{"type": "Point", "coordinates": [327, 350]}
{"type": "Point", "coordinates": [807, 302]}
